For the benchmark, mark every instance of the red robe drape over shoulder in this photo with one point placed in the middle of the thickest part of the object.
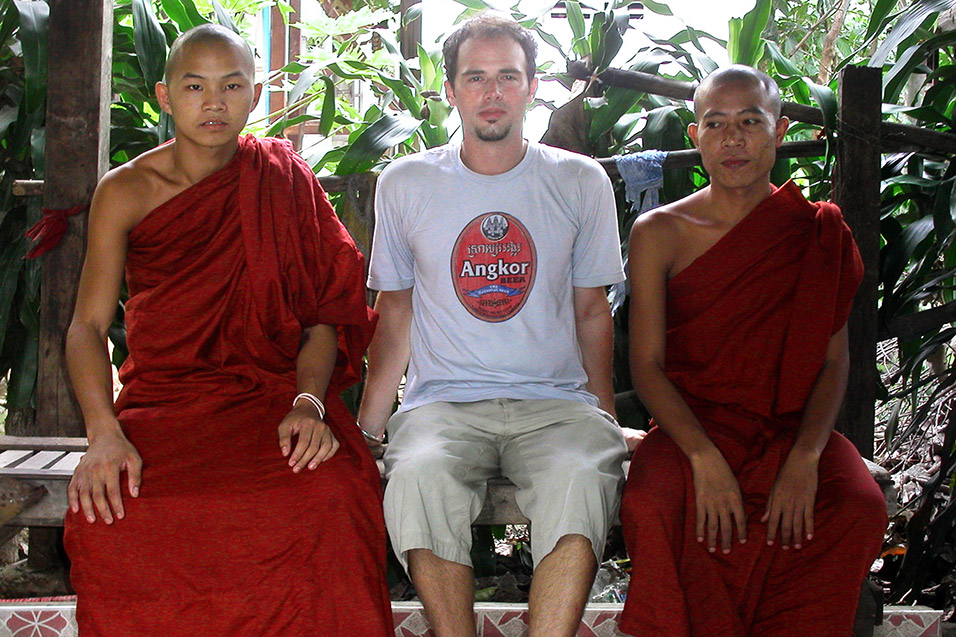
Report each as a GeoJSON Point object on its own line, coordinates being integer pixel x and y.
{"type": "Point", "coordinates": [224, 538]}
{"type": "Point", "coordinates": [748, 325]}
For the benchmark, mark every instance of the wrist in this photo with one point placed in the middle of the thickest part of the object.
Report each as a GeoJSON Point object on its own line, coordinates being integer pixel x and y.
{"type": "Point", "coordinates": [99, 429]}
{"type": "Point", "coordinates": [805, 453]}
{"type": "Point", "coordinates": [305, 398]}
{"type": "Point", "coordinates": [376, 435]}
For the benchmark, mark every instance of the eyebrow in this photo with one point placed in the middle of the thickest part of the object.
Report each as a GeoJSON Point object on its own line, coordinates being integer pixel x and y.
{"type": "Point", "coordinates": [197, 76]}
{"type": "Point", "coordinates": [752, 109]}
{"type": "Point", "coordinates": [470, 72]}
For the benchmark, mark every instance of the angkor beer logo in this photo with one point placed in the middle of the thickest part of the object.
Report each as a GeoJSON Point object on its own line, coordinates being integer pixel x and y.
{"type": "Point", "coordinates": [493, 266]}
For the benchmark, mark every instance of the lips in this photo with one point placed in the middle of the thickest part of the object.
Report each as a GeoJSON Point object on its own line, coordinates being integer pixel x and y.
{"type": "Point", "coordinates": [492, 113]}
{"type": "Point", "coordinates": [213, 124]}
{"type": "Point", "coordinates": [734, 162]}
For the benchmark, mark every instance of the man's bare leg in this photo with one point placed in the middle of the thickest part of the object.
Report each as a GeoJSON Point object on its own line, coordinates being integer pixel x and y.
{"type": "Point", "coordinates": [560, 587]}
{"type": "Point", "coordinates": [447, 591]}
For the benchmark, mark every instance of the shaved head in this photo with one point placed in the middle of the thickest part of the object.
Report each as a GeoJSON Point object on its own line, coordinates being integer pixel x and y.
{"type": "Point", "coordinates": [208, 34]}
{"type": "Point", "coordinates": [737, 74]}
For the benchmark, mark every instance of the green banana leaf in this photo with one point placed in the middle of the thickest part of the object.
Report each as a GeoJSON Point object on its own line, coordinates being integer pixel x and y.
{"type": "Point", "coordinates": [745, 45]}
{"type": "Point", "coordinates": [150, 42]}
{"type": "Point", "coordinates": [34, 17]}
{"type": "Point", "coordinates": [374, 141]}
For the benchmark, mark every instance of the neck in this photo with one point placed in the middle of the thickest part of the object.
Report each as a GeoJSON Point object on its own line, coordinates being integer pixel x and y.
{"type": "Point", "coordinates": [493, 158]}
{"type": "Point", "coordinates": [195, 162]}
{"type": "Point", "coordinates": [730, 205]}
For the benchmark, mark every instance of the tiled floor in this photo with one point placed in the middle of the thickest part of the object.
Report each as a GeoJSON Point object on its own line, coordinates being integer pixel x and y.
{"type": "Point", "coordinates": [56, 619]}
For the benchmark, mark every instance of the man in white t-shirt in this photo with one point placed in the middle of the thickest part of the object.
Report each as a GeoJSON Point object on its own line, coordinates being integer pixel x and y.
{"type": "Point", "coordinates": [491, 258]}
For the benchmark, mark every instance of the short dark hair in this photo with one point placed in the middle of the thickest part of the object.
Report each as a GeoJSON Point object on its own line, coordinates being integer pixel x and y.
{"type": "Point", "coordinates": [743, 74]}
{"type": "Point", "coordinates": [202, 34]}
{"type": "Point", "coordinates": [489, 26]}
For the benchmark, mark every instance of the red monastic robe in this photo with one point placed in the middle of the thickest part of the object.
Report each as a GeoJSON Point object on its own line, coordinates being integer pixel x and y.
{"type": "Point", "coordinates": [224, 538]}
{"type": "Point", "coordinates": [748, 324]}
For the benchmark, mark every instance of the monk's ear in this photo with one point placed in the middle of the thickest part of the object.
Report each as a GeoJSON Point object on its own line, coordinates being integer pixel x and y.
{"type": "Point", "coordinates": [162, 96]}
{"type": "Point", "coordinates": [257, 93]}
{"type": "Point", "coordinates": [692, 133]}
{"type": "Point", "coordinates": [781, 129]}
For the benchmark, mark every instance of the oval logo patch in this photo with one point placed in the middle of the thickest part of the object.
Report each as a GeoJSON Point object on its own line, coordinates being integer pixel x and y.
{"type": "Point", "coordinates": [493, 266]}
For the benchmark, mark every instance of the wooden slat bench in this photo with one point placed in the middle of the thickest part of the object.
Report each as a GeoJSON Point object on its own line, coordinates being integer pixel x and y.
{"type": "Point", "coordinates": [50, 462]}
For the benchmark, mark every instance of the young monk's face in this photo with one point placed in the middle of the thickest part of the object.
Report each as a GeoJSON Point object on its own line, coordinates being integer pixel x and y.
{"type": "Point", "coordinates": [210, 92]}
{"type": "Point", "coordinates": [738, 133]}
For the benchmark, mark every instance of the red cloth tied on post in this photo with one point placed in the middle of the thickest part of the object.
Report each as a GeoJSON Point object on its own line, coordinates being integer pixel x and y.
{"type": "Point", "coordinates": [224, 538]}
{"type": "Point", "coordinates": [748, 327]}
{"type": "Point", "coordinates": [51, 227]}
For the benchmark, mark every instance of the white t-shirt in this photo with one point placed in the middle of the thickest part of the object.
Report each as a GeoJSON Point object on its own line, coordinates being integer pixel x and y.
{"type": "Point", "coordinates": [492, 261]}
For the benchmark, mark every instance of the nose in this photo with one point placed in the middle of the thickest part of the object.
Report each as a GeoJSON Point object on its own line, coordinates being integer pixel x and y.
{"type": "Point", "coordinates": [733, 135]}
{"type": "Point", "coordinates": [213, 100]}
{"type": "Point", "coordinates": [493, 88]}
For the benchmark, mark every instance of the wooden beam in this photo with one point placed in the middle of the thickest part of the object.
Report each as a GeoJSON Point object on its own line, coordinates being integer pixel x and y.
{"type": "Point", "coordinates": [912, 325]}
{"type": "Point", "coordinates": [925, 138]}
{"type": "Point", "coordinates": [77, 144]}
{"type": "Point", "coordinates": [857, 192]}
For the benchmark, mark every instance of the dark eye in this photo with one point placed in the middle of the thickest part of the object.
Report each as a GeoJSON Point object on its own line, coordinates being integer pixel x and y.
{"type": "Point", "coordinates": [193, 87]}
{"type": "Point", "coordinates": [232, 87]}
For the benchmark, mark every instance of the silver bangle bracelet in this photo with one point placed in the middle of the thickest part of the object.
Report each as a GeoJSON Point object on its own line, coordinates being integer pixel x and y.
{"type": "Point", "coordinates": [368, 436]}
{"type": "Point", "coordinates": [312, 399]}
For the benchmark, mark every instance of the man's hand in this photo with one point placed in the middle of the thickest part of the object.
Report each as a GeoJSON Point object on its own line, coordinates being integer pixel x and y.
{"type": "Point", "coordinates": [790, 506]}
{"type": "Point", "coordinates": [96, 481]}
{"type": "Point", "coordinates": [632, 437]}
{"type": "Point", "coordinates": [719, 503]}
{"type": "Point", "coordinates": [316, 443]}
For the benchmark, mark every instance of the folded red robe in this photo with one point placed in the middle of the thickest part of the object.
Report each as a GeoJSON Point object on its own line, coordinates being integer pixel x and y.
{"type": "Point", "coordinates": [748, 325]}
{"type": "Point", "coordinates": [224, 538]}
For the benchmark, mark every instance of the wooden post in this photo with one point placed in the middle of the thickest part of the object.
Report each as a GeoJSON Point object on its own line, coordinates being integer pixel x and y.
{"type": "Point", "coordinates": [285, 46]}
{"type": "Point", "coordinates": [411, 32]}
{"type": "Point", "coordinates": [857, 192]}
{"type": "Point", "coordinates": [77, 146]}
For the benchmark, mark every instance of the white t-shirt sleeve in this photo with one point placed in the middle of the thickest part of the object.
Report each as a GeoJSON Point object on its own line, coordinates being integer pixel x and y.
{"type": "Point", "coordinates": [391, 265]}
{"type": "Point", "coordinates": [597, 248]}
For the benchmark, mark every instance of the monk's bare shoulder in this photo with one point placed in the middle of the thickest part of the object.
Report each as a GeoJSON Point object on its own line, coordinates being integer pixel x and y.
{"type": "Point", "coordinates": [658, 236]}
{"type": "Point", "coordinates": [679, 232]}
{"type": "Point", "coordinates": [129, 192]}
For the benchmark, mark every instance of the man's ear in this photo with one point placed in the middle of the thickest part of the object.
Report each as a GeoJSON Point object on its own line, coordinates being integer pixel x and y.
{"type": "Point", "coordinates": [532, 89]}
{"type": "Point", "coordinates": [781, 129]}
{"type": "Point", "coordinates": [692, 133]}
{"type": "Point", "coordinates": [162, 96]}
{"type": "Point", "coordinates": [450, 92]}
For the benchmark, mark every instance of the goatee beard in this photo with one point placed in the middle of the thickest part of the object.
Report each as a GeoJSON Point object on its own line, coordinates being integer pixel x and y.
{"type": "Point", "coordinates": [492, 134]}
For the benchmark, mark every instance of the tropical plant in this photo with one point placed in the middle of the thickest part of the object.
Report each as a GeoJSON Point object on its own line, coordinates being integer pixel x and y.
{"type": "Point", "coordinates": [22, 114]}
{"type": "Point", "coordinates": [801, 44]}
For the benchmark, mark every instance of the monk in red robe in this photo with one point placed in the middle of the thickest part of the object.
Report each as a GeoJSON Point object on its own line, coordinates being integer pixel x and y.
{"type": "Point", "coordinates": [744, 512]}
{"type": "Point", "coordinates": [229, 492]}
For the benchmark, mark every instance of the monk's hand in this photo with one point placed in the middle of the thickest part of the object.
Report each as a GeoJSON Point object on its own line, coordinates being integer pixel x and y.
{"type": "Point", "coordinates": [719, 503]}
{"type": "Point", "coordinates": [315, 443]}
{"type": "Point", "coordinates": [790, 506]}
{"type": "Point", "coordinates": [95, 486]}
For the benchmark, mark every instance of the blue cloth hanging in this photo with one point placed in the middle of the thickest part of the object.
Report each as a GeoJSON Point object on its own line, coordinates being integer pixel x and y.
{"type": "Point", "coordinates": [642, 172]}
